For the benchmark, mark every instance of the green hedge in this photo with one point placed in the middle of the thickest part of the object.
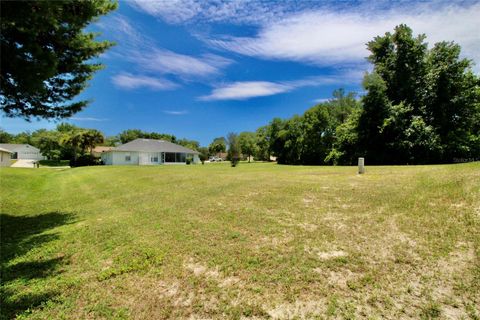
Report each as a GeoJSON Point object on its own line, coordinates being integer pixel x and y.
{"type": "Point", "coordinates": [54, 163]}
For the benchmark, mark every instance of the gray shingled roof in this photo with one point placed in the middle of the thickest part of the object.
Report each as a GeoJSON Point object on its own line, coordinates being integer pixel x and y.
{"type": "Point", "coordinates": [5, 150]}
{"type": "Point", "coordinates": [151, 145]}
{"type": "Point", "coordinates": [15, 146]}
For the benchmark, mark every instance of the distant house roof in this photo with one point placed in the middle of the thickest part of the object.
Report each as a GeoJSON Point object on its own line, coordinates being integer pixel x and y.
{"type": "Point", "coordinates": [101, 149]}
{"type": "Point", "coordinates": [5, 150]}
{"type": "Point", "coordinates": [152, 145]}
{"type": "Point", "coordinates": [14, 147]}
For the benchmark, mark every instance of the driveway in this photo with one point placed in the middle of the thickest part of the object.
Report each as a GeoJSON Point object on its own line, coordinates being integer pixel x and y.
{"type": "Point", "coordinates": [24, 163]}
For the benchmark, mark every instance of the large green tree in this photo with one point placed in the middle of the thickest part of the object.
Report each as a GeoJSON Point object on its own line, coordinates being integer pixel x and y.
{"type": "Point", "coordinates": [234, 150]}
{"type": "Point", "coordinates": [248, 143]}
{"type": "Point", "coordinates": [47, 57]}
{"type": "Point", "coordinates": [91, 139]}
{"type": "Point", "coordinates": [218, 145]}
{"type": "Point", "coordinates": [263, 145]}
{"type": "Point", "coordinates": [191, 144]}
{"type": "Point", "coordinates": [422, 105]}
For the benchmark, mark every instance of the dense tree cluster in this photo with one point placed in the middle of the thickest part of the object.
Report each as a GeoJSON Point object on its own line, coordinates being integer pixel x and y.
{"type": "Point", "coordinates": [421, 106]}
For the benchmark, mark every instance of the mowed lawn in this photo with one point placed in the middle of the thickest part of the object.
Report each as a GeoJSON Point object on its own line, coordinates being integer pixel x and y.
{"type": "Point", "coordinates": [256, 241]}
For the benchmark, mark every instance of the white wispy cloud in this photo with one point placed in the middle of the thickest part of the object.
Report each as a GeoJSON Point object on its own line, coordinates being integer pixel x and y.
{"type": "Point", "coordinates": [194, 11]}
{"type": "Point", "coordinates": [89, 119]}
{"type": "Point", "coordinates": [148, 58]}
{"type": "Point", "coordinates": [322, 32]}
{"type": "Point", "coordinates": [185, 66]}
{"type": "Point", "coordinates": [328, 37]}
{"type": "Point", "coordinates": [130, 81]}
{"type": "Point", "coordinates": [173, 11]}
{"type": "Point", "coordinates": [243, 90]}
{"type": "Point", "coordinates": [175, 112]}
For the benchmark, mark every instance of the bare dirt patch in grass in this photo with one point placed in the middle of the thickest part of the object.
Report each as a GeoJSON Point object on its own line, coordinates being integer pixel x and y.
{"type": "Point", "coordinates": [337, 279]}
{"type": "Point", "coordinates": [274, 241]}
{"type": "Point", "coordinates": [300, 309]}
{"type": "Point", "coordinates": [326, 255]}
{"type": "Point", "coordinates": [199, 269]}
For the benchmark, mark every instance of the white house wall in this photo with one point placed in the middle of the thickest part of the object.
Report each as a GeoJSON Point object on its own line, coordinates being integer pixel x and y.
{"type": "Point", "coordinates": [107, 158]}
{"type": "Point", "coordinates": [30, 153]}
{"type": "Point", "coordinates": [119, 158]}
{"type": "Point", "coordinates": [5, 159]}
{"type": "Point", "coordinates": [136, 158]}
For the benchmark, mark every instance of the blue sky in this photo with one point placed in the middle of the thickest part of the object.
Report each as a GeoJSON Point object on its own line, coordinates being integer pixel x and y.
{"type": "Point", "coordinates": [201, 69]}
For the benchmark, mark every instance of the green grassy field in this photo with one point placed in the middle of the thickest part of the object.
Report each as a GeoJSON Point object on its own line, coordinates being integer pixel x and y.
{"type": "Point", "coordinates": [257, 241]}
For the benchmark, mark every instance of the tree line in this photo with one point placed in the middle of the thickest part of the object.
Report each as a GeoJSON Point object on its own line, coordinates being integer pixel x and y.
{"type": "Point", "coordinates": [421, 106]}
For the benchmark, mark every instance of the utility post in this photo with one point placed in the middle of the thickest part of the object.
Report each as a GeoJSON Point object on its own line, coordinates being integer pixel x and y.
{"type": "Point", "coordinates": [361, 165]}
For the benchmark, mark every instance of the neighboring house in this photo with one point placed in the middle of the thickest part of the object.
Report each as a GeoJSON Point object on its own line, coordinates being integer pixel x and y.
{"type": "Point", "coordinates": [222, 155]}
{"type": "Point", "coordinates": [23, 151]}
{"type": "Point", "coordinates": [97, 151]}
{"type": "Point", "coordinates": [5, 157]}
{"type": "Point", "coordinates": [149, 152]}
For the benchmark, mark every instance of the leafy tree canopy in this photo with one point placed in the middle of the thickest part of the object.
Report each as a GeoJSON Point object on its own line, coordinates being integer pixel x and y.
{"type": "Point", "coordinates": [132, 134]}
{"type": "Point", "coordinates": [422, 105]}
{"type": "Point", "coordinates": [218, 145]}
{"type": "Point", "coordinates": [47, 56]}
{"type": "Point", "coordinates": [191, 144]}
{"type": "Point", "coordinates": [234, 149]}
{"type": "Point", "coordinates": [248, 143]}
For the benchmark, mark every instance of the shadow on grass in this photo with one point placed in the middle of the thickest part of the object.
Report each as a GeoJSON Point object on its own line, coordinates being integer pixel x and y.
{"type": "Point", "coordinates": [19, 235]}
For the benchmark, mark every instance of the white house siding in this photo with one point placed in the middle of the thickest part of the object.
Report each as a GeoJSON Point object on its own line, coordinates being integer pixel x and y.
{"type": "Point", "coordinates": [119, 158]}
{"type": "Point", "coordinates": [28, 152]}
{"type": "Point", "coordinates": [30, 155]}
{"type": "Point", "coordinates": [23, 151]}
{"type": "Point", "coordinates": [5, 159]}
{"type": "Point", "coordinates": [138, 158]}
{"type": "Point", "coordinates": [107, 158]}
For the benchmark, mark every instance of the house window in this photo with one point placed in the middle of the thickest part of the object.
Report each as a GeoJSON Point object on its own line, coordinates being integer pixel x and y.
{"type": "Point", "coordinates": [169, 157]}
{"type": "Point", "coordinates": [180, 157]}
{"type": "Point", "coordinates": [128, 158]}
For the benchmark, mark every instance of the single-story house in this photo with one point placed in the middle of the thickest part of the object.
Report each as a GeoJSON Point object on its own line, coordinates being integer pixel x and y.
{"type": "Point", "coordinates": [149, 152]}
{"type": "Point", "coordinates": [23, 151]}
{"type": "Point", "coordinates": [97, 151]}
{"type": "Point", "coordinates": [5, 157]}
